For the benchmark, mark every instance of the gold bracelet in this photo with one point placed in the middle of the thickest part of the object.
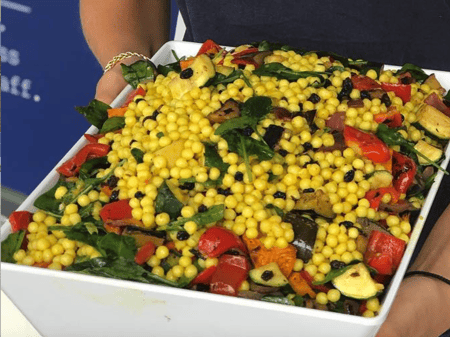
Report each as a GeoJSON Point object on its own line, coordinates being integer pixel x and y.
{"type": "Point", "coordinates": [121, 57]}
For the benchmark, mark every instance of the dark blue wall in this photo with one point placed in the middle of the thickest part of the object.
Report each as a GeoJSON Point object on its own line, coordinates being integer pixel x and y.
{"type": "Point", "coordinates": [47, 70]}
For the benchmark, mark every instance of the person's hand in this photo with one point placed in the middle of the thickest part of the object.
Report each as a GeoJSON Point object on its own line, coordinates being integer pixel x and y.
{"type": "Point", "coordinates": [112, 83]}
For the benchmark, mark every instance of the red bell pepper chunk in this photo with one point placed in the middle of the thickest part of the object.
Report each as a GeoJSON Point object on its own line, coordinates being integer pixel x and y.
{"type": "Point", "coordinates": [93, 139]}
{"type": "Point", "coordinates": [393, 118]}
{"type": "Point", "coordinates": [403, 170]}
{"type": "Point", "coordinates": [231, 271]}
{"type": "Point", "coordinates": [205, 276]}
{"type": "Point", "coordinates": [400, 90]}
{"type": "Point", "coordinates": [308, 278]}
{"type": "Point", "coordinates": [245, 52]}
{"type": "Point", "coordinates": [145, 252]}
{"type": "Point", "coordinates": [364, 83]}
{"type": "Point", "coordinates": [139, 91]}
{"type": "Point", "coordinates": [217, 240]}
{"type": "Point", "coordinates": [374, 196]}
{"type": "Point", "coordinates": [209, 47]}
{"type": "Point", "coordinates": [116, 210]}
{"type": "Point", "coordinates": [89, 151]}
{"type": "Point", "coordinates": [434, 100]}
{"type": "Point", "coordinates": [366, 144]}
{"type": "Point", "coordinates": [384, 252]}
{"type": "Point", "coordinates": [19, 220]}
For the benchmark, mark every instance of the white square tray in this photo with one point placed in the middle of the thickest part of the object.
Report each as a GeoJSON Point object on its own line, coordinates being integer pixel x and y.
{"type": "Point", "coordinates": [68, 304]}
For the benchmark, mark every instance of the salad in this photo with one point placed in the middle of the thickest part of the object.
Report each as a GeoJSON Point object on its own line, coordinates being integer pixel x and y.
{"type": "Point", "coordinates": [264, 172]}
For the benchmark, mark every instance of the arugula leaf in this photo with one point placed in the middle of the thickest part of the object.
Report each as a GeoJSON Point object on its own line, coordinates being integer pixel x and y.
{"type": "Point", "coordinates": [415, 71]}
{"type": "Point", "coordinates": [280, 71]}
{"type": "Point", "coordinates": [208, 183]}
{"type": "Point", "coordinates": [140, 71]}
{"type": "Point", "coordinates": [96, 112]}
{"type": "Point", "coordinates": [167, 202]}
{"type": "Point", "coordinates": [213, 214]}
{"type": "Point", "coordinates": [138, 155]}
{"type": "Point", "coordinates": [165, 70]}
{"type": "Point", "coordinates": [248, 146]}
{"type": "Point", "coordinates": [333, 274]}
{"type": "Point", "coordinates": [113, 124]}
{"type": "Point", "coordinates": [277, 210]}
{"type": "Point", "coordinates": [213, 159]}
{"type": "Point", "coordinates": [47, 201]}
{"type": "Point", "coordinates": [11, 245]}
{"type": "Point", "coordinates": [222, 79]}
{"type": "Point", "coordinates": [118, 268]}
{"type": "Point", "coordinates": [91, 167]}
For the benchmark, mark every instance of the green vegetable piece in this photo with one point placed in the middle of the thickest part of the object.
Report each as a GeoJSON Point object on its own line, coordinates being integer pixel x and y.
{"type": "Point", "coordinates": [333, 274]}
{"type": "Point", "coordinates": [11, 245]}
{"type": "Point", "coordinates": [213, 159]}
{"type": "Point", "coordinates": [415, 71]}
{"type": "Point", "coordinates": [280, 71]}
{"type": "Point", "coordinates": [213, 214]}
{"type": "Point", "coordinates": [138, 155]}
{"type": "Point", "coordinates": [113, 124]}
{"type": "Point", "coordinates": [138, 72]}
{"type": "Point", "coordinates": [96, 112]}
{"type": "Point", "coordinates": [91, 167]}
{"type": "Point", "coordinates": [47, 201]}
{"type": "Point", "coordinates": [269, 275]}
{"type": "Point", "coordinates": [298, 300]}
{"type": "Point", "coordinates": [278, 299]}
{"type": "Point", "coordinates": [165, 70]}
{"type": "Point", "coordinates": [277, 210]}
{"type": "Point", "coordinates": [167, 202]}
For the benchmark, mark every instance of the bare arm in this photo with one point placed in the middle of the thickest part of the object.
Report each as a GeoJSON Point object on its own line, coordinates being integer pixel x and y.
{"type": "Point", "coordinates": [112, 27]}
{"type": "Point", "coordinates": [421, 307]}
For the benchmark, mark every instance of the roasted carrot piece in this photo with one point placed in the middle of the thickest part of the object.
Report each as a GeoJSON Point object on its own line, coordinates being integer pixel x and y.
{"type": "Point", "coordinates": [117, 112]}
{"type": "Point", "coordinates": [186, 63]}
{"type": "Point", "coordinates": [300, 285]}
{"type": "Point", "coordinates": [105, 189]}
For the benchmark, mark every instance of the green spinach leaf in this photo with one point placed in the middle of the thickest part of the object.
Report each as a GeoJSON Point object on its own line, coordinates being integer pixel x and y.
{"type": "Point", "coordinates": [333, 274]}
{"type": "Point", "coordinates": [415, 71]}
{"type": "Point", "coordinates": [167, 202]}
{"type": "Point", "coordinates": [165, 70]}
{"type": "Point", "coordinates": [138, 72]}
{"type": "Point", "coordinates": [11, 245]}
{"type": "Point", "coordinates": [278, 299]}
{"type": "Point", "coordinates": [91, 167]}
{"type": "Point", "coordinates": [138, 155]}
{"type": "Point", "coordinates": [96, 112]}
{"type": "Point", "coordinates": [280, 71]}
{"type": "Point", "coordinates": [113, 124]}
{"type": "Point", "coordinates": [213, 214]}
{"type": "Point", "coordinates": [47, 201]}
{"type": "Point", "coordinates": [213, 159]}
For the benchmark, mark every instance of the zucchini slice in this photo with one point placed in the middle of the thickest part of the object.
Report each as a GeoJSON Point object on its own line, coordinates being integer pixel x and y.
{"type": "Point", "coordinates": [434, 121]}
{"type": "Point", "coordinates": [379, 179]}
{"type": "Point", "coordinates": [429, 151]}
{"type": "Point", "coordinates": [268, 275]}
{"type": "Point", "coordinates": [357, 283]}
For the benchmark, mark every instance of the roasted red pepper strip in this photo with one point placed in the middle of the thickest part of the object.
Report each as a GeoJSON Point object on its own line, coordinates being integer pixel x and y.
{"type": "Point", "coordinates": [363, 83]}
{"type": "Point", "coordinates": [366, 144]}
{"type": "Point", "coordinates": [209, 47]}
{"type": "Point", "coordinates": [308, 278]}
{"type": "Point", "coordinates": [244, 61]}
{"type": "Point", "coordinates": [139, 91]}
{"type": "Point", "coordinates": [145, 252]}
{"type": "Point", "coordinates": [19, 220]}
{"type": "Point", "coordinates": [116, 210]}
{"type": "Point", "coordinates": [231, 271]}
{"type": "Point", "coordinates": [93, 139]}
{"type": "Point", "coordinates": [403, 170]}
{"type": "Point", "coordinates": [217, 240]}
{"type": "Point", "coordinates": [400, 90]}
{"type": "Point", "coordinates": [245, 52]}
{"type": "Point", "coordinates": [89, 151]}
{"type": "Point", "coordinates": [384, 252]}
{"type": "Point", "coordinates": [374, 196]}
{"type": "Point", "coordinates": [205, 276]}
{"type": "Point", "coordinates": [393, 118]}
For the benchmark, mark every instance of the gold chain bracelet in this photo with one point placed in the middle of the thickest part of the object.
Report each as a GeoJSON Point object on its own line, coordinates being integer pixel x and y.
{"type": "Point", "coordinates": [121, 57]}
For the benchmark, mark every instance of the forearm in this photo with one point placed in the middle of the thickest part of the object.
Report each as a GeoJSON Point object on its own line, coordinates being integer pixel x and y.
{"type": "Point", "coordinates": [421, 307]}
{"type": "Point", "coordinates": [115, 26]}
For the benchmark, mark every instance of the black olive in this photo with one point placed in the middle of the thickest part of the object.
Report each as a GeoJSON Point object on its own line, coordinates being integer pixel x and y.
{"type": "Point", "coordinates": [349, 175]}
{"type": "Point", "coordinates": [239, 176]}
{"type": "Point", "coordinates": [307, 146]}
{"type": "Point", "coordinates": [114, 196]}
{"type": "Point", "coordinates": [335, 264]}
{"type": "Point", "coordinates": [283, 152]}
{"type": "Point", "coordinates": [223, 191]}
{"type": "Point", "coordinates": [347, 224]}
{"type": "Point", "coordinates": [183, 236]}
{"type": "Point", "coordinates": [112, 182]}
{"type": "Point", "coordinates": [187, 186]}
{"type": "Point", "coordinates": [203, 287]}
{"type": "Point", "coordinates": [186, 73]}
{"type": "Point", "coordinates": [279, 195]}
{"type": "Point", "coordinates": [139, 100]}
{"type": "Point", "coordinates": [247, 131]}
{"type": "Point", "coordinates": [314, 98]}
{"type": "Point", "coordinates": [386, 100]}
{"type": "Point", "coordinates": [365, 94]}
{"type": "Point", "coordinates": [267, 275]}
{"type": "Point", "coordinates": [241, 66]}
{"type": "Point", "coordinates": [202, 208]}
{"type": "Point", "coordinates": [327, 83]}
{"type": "Point", "coordinates": [273, 135]}
{"type": "Point", "coordinates": [308, 190]}
{"type": "Point", "coordinates": [347, 88]}
{"type": "Point", "coordinates": [139, 195]}
{"type": "Point", "coordinates": [197, 254]}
